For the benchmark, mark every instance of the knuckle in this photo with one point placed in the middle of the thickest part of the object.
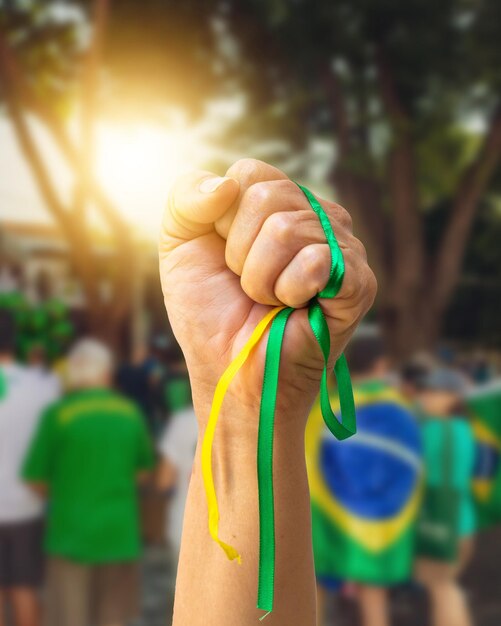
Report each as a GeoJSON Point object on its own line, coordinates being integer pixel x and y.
{"type": "Point", "coordinates": [344, 218]}
{"type": "Point", "coordinates": [245, 169]}
{"type": "Point", "coordinates": [279, 227]}
{"type": "Point", "coordinates": [288, 187]}
{"type": "Point", "coordinates": [315, 267]}
{"type": "Point", "coordinates": [252, 288]}
{"type": "Point", "coordinates": [352, 277]}
{"type": "Point", "coordinates": [361, 285]}
{"type": "Point", "coordinates": [371, 285]}
{"type": "Point", "coordinates": [269, 194]}
{"type": "Point", "coordinates": [311, 260]}
{"type": "Point", "coordinates": [359, 248]}
{"type": "Point", "coordinates": [259, 194]}
{"type": "Point", "coordinates": [248, 285]}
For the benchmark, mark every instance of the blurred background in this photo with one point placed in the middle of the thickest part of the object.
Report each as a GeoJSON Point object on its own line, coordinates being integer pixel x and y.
{"type": "Point", "coordinates": [391, 108]}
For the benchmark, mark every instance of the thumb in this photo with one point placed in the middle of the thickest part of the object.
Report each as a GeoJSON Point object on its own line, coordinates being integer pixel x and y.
{"type": "Point", "coordinates": [195, 202]}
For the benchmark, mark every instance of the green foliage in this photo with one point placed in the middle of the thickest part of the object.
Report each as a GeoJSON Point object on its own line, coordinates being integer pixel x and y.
{"type": "Point", "coordinates": [47, 325]}
{"type": "Point", "coordinates": [442, 155]}
{"type": "Point", "coordinates": [47, 46]}
{"type": "Point", "coordinates": [157, 53]}
{"type": "Point", "coordinates": [283, 58]}
{"type": "Point", "coordinates": [444, 59]}
{"type": "Point", "coordinates": [474, 313]}
{"type": "Point", "coordinates": [161, 52]}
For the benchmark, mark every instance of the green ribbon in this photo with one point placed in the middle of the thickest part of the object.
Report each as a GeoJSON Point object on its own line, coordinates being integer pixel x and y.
{"type": "Point", "coordinates": [341, 429]}
{"type": "Point", "coordinates": [3, 385]}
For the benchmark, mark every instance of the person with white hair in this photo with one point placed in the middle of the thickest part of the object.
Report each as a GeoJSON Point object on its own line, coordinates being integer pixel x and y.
{"type": "Point", "coordinates": [89, 451]}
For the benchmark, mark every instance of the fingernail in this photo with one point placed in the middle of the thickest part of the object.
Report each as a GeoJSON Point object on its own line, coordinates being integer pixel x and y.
{"type": "Point", "coordinates": [211, 184]}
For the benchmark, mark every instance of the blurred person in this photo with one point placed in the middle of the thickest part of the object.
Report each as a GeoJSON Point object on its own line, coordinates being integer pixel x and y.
{"type": "Point", "coordinates": [89, 451]}
{"type": "Point", "coordinates": [177, 450]}
{"type": "Point", "coordinates": [144, 379]}
{"type": "Point", "coordinates": [158, 368]}
{"type": "Point", "coordinates": [162, 503]}
{"type": "Point", "coordinates": [23, 397]}
{"type": "Point", "coordinates": [214, 226]}
{"type": "Point", "coordinates": [135, 378]}
{"type": "Point", "coordinates": [410, 379]}
{"type": "Point", "coordinates": [38, 362]}
{"type": "Point", "coordinates": [36, 356]}
{"type": "Point", "coordinates": [411, 376]}
{"type": "Point", "coordinates": [446, 524]}
{"type": "Point", "coordinates": [139, 378]}
{"type": "Point", "coordinates": [365, 490]}
{"type": "Point", "coordinates": [176, 384]}
{"type": "Point", "coordinates": [484, 408]}
{"type": "Point", "coordinates": [480, 368]}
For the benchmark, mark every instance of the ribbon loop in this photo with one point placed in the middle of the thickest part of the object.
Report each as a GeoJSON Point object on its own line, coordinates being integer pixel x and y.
{"type": "Point", "coordinates": [336, 274]}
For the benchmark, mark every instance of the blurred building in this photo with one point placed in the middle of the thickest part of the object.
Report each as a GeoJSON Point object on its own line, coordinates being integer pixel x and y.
{"type": "Point", "coordinates": [35, 258]}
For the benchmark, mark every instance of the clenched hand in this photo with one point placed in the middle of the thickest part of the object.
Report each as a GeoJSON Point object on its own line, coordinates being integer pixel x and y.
{"type": "Point", "coordinates": [232, 247]}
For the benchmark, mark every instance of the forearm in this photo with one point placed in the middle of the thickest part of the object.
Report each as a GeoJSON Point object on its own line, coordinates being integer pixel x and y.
{"type": "Point", "coordinates": [231, 249]}
{"type": "Point", "coordinates": [213, 591]}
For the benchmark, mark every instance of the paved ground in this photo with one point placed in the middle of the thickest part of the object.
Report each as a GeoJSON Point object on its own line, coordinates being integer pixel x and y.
{"type": "Point", "coordinates": [409, 606]}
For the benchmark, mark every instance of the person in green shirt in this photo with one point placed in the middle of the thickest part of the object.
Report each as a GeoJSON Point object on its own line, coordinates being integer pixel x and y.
{"type": "Point", "coordinates": [447, 523]}
{"type": "Point", "coordinates": [89, 451]}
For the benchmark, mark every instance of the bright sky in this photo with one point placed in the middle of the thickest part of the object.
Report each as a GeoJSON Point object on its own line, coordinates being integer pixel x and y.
{"type": "Point", "coordinates": [136, 165]}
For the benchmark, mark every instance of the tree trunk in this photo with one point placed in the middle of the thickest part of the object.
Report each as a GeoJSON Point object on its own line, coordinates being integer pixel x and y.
{"type": "Point", "coordinates": [409, 328]}
{"type": "Point", "coordinates": [105, 321]}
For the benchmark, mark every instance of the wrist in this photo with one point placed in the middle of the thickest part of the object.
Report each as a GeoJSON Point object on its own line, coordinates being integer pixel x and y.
{"type": "Point", "coordinates": [238, 422]}
{"type": "Point", "coordinates": [234, 462]}
{"type": "Point", "coordinates": [240, 410]}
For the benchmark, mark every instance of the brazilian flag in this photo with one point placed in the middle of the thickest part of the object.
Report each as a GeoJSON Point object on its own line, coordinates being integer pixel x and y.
{"type": "Point", "coordinates": [484, 404]}
{"type": "Point", "coordinates": [365, 491]}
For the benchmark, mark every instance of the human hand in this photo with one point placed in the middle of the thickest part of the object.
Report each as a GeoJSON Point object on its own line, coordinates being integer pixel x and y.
{"type": "Point", "coordinates": [230, 249]}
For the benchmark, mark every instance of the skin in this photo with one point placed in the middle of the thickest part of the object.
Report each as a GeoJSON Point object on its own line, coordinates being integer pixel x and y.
{"type": "Point", "coordinates": [449, 606]}
{"type": "Point", "coordinates": [231, 248]}
{"type": "Point", "coordinates": [438, 402]}
{"type": "Point", "coordinates": [165, 475]}
{"type": "Point", "coordinates": [373, 602]}
{"type": "Point", "coordinates": [25, 606]}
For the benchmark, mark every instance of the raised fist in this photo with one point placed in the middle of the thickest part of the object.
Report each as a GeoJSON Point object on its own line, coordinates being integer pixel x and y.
{"type": "Point", "coordinates": [233, 247]}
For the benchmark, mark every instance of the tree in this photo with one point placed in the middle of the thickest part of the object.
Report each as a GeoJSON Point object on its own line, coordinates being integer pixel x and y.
{"type": "Point", "coordinates": [394, 86]}
{"type": "Point", "coordinates": [474, 313]}
{"type": "Point", "coordinates": [39, 60]}
{"type": "Point", "coordinates": [83, 60]}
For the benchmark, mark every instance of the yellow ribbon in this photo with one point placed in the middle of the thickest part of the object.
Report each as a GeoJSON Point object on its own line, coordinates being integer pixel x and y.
{"type": "Point", "coordinates": [217, 401]}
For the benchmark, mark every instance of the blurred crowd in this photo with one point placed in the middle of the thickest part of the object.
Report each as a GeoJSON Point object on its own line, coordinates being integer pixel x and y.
{"type": "Point", "coordinates": [95, 459]}
{"type": "Point", "coordinates": [401, 503]}
{"type": "Point", "coordinates": [95, 462]}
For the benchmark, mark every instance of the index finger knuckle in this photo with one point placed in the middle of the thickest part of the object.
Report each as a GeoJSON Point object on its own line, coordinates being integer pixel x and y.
{"type": "Point", "coordinates": [246, 169]}
{"type": "Point", "coordinates": [279, 228]}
